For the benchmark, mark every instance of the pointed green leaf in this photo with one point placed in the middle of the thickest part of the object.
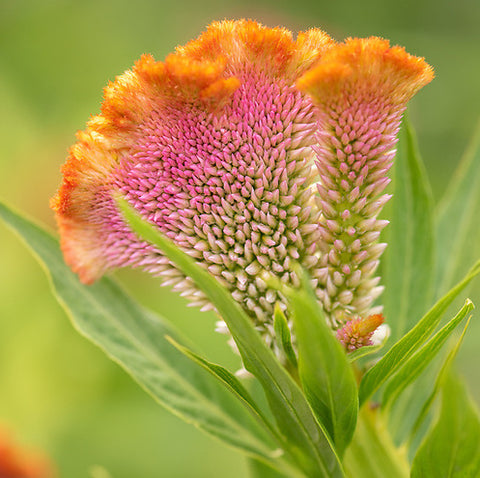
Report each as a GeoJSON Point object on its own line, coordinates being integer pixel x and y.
{"type": "Point", "coordinates": [325, 372]}
{"type": "Point", "coordinates": [456, 247]}
{"type": "Point", "coordinates": [411, 342]}
{"type": "Point", "coordinates": [409, 258]}
{"type": "Point", "coordinates": [363, 352]}
{"type": "Point", "coordinates": [413, 367]}
{"type": "Point", "coordinates": [135, 338]}
{"type": "Point", "coordinates": [237, 388]}
{"type": "Point", "coordinates": [283, 335]}
{"type": "Point", "coordinates": [439, 380]}
{"type": "Point", "coordinates": [231, 382]}
{"type": "Point", "coordinates": [452, 448]}
{"type": "Point", "coordinates": [306, 439]}
{"type": "Point", "coordinates": [457, 219]}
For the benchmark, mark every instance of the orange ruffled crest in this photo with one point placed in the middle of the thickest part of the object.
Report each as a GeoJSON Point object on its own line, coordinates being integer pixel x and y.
{"type": "Point", "coordinates": [200, 72]}
{"type": "Point", "coordinates": [247, 41]}
{"type": "Point", "coordinates": [200, 75]}
{"type": "Point", "coordinates": [85, 173]}
{"type": "Point", "coordinates": [151, 84]}
{"type": "Point", "coordinates": [311, 46]}
{"type": "Point", "coordinates": [366, 64]}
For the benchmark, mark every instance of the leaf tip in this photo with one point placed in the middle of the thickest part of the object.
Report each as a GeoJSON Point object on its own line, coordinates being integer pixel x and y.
{"type": "Point", "coordinates": [469, 304]}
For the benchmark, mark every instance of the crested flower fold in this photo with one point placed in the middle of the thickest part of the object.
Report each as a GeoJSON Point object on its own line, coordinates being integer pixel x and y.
{"type": "Point", "coordinates": [253, 152]}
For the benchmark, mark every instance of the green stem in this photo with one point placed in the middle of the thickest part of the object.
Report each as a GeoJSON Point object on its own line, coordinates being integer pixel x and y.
{"type": "Point", "coordinates": [372, 453]}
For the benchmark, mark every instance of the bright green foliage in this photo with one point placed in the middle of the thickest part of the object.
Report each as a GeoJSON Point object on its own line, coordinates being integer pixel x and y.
{"type": "Point", "coordinates": [261, 470]}
{"type": "Point", "coordinates": [363, 352]}
{"type": "Point", "coordinates": [412, 341]}
{"type": "Point", "coordinates": [230, 381]}
{"type": "Point", "coordinates": [372, 453]}
{"type": "Point", "coordinates": [452, 448]}
{"type": "Point", "coordinates": [446, 366]}
{"type": "Point", "coordinates": [455, 246]}
{"type": "Point", "coordinates": [325, 373]}
{"type": "Point", "coordinates": [458, 227]}
{"type": "Point", "coordinates": [413, 367]}
{"type": "Point", "coordinates": [408, 263]}
{"type": "Point", "coordinates": [135, 338]}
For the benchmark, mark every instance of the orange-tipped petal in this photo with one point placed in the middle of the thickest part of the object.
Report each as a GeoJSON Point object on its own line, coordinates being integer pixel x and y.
{"type": "Point", "coordinates": [367, 65]}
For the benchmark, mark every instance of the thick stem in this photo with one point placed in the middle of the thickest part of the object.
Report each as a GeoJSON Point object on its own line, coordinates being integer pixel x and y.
{"type": "Point", "coordinates": [372, 453]}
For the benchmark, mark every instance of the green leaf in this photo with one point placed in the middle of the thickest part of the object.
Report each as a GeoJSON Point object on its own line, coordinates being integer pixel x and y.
{"type": "Point", "coordinates": [363, 352]}
{"type": "Point", "coordinates": [230, 381]}
{"type": "Point", "coordinates": [283, 335]}
{"type": "Point", "coordinates": [452, 447]}
{"type": "Point", "coordinates": [135, 338]}
{"type": "Point", "coordinates": [405, 419]}
{"type": "Point", "coordinates": [439, 380]}
{"type": "Point", "coordinates": [409, 258]}
{"type": "Point", "coordinates": [413, 367]}
{"type": "Point", "coordinates": [326, 374]}
{"type": "Point", "coordinates": [237, 388]}
{"type": "Point", "coordinates": [306, 440]}
{"type": "Point", "coordinates": [457, 219]}
{"type": "Point", "coordinates": [415, 338]}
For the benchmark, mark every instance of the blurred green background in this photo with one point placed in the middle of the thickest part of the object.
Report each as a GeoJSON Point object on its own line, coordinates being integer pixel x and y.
{"type": "Point", "coordinates": [57, 391]}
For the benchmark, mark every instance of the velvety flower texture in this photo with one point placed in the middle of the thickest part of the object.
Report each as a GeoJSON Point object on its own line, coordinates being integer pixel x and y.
{"type": "Point", "coordinates": [253, 152]}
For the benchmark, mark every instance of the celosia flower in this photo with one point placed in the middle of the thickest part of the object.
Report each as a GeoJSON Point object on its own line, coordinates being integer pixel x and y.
{"type": "Point", "coordinates": [252, 152]}
{"type": "Point", "coordinates": [360, 88]}
{"type": "Point", "coordinates": [17, 463]}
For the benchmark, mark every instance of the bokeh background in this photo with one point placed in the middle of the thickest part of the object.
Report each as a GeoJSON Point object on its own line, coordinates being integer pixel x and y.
{"type": "Point", "coordinates": [57, 391]}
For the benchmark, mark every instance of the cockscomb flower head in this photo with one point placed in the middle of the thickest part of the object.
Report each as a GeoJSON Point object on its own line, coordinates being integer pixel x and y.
{"type": "Point", "coordinates": [239, 148]}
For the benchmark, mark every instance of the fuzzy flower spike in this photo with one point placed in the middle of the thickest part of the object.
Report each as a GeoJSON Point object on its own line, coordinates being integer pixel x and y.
{"type": "Point", "coordinates": [361, 88]}
{"type": "Point", "coordinates": [217, 147]}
